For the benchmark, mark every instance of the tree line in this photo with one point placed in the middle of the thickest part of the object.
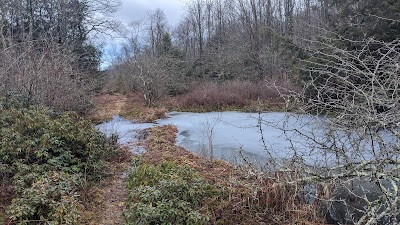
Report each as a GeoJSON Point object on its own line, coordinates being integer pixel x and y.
{"type": "Point", "coordinates": [46, 49]}
{"type": "Point", "coordinates": [245, 39]}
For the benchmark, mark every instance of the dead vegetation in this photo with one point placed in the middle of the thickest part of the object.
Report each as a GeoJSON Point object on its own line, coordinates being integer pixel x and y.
{"type": "Point", "coordinates": [247, 197]}
{"type": "Point", "coordinates": [230, 95]}
{"type": "Point", "coordinates": [129, 106]}
{"type": "Point", "coordinates": [106, 106]}
{"type": "Point", "coordinates": [203, 97]}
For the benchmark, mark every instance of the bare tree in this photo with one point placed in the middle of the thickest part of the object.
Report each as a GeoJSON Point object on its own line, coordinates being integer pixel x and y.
{"type": "Point", "coordinates": [197, 11]}
{"type": "Point", "coordinates": [209, 125]}
{"type": "Point", "coordinates": [157, 27]}
{"type": "Point", "coordinates": [46, 77]}
{"type": "Point", "coordinates": [354, 98]}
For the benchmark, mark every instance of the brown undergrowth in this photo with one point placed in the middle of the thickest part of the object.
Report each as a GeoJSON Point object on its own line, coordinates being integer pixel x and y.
{"type": "Point", "coordinates": [235, 95]}
{"type": "Point", "coordinates": [205, 96]}
{"type": "Point", "coordinates": [129, 106]}
{"type": "Point", "coordinates": [246, 198]}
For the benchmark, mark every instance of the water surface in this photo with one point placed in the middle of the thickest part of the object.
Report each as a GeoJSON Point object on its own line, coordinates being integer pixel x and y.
{"type": "Point", "coordinates": [233, 135]}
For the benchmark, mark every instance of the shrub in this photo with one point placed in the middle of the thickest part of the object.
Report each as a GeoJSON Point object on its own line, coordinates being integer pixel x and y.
{"type": "Point", "coordinates": [34, 141]}
{"type": "Point", "coordinates": [47, 159]}
{"type": "Point", "coordinates": [228, 94]}
{"type": "Point", "coordinates": [45, 76]}
{"type": "Point", "coordinates": [168, 193]}
{"type": "Point", "coordinates": [169, 174]}
{"type": "Point", "coordinates": [52, 198]}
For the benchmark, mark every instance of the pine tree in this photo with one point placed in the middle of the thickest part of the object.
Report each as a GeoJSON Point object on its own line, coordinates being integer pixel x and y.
{"type": "Point", "coordinates": [358, 20]}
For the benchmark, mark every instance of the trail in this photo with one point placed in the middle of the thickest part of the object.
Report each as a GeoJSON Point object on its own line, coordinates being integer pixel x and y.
{"type": "Point", "coordinates": [114, 195]}
{"type": "Point", "coordinates": [113, 192]}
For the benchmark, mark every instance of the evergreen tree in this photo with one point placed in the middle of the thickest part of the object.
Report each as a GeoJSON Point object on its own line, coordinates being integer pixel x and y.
{"type": "Point", "coordinates": [359, 20]}
{"type": "Point", "coordinates": [57, 21]}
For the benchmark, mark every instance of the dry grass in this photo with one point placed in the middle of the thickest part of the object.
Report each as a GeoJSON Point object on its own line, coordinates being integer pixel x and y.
{"type": "Point", "coordinates": [149, 115]}
{"type": "Point", "coordinates": [129, 106]}
{"type": "Point", "coordinates": [234, 95]}
{"type": "Point", "coordinates": [253, 198]}
{"type": "Point", "coordinates": [106, 106]}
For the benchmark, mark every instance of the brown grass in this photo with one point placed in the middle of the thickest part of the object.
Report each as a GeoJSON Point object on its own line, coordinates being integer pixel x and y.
{"type": "Point", "coordinates": [129, 106]}
{"type": "Point", "coordinates": [236, 95]}
{"type": "Point", "coordinates": [106, 106]}
{"type": "Point", "coordinates": [253, 198]}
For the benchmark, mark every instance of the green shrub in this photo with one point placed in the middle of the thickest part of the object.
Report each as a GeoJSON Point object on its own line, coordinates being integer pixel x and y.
{"type": "Point", "coordinates": [33, 141]}
{"type": "Point", "coordinates": [52, 198]}
{"type": "Point", "coordinates": [47, 159]}
{"type": "Point", "coordinates": [169, 194]}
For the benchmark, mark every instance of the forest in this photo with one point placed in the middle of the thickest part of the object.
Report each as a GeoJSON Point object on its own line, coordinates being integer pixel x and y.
{"type": "Point", "coordinates": [334, 61]}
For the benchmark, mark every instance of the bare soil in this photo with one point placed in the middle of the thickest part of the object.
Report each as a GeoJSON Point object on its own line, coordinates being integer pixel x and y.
{"type": "Point", "coordinates": [113, 196]}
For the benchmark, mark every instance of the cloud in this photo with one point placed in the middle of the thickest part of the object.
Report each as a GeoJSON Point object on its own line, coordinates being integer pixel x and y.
{"type": "Point", "coordinates": [138, 9]}
{"type": "Point", "coordinates": [134, 10]}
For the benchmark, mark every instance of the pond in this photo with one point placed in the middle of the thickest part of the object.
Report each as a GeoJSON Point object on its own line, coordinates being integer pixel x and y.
{"type": "Point", "coordinates": [260, 138]}
{"type": "Point", "coordinates": [232, 135]}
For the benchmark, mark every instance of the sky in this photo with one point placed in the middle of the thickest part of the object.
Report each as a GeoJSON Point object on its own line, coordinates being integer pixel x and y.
{"type": "Point", "coordinates": [138, 9]}
{"type": "Point", "coordinates": [134, 10]}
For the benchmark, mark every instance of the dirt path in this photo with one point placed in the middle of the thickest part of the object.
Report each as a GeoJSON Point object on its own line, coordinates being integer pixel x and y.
{"type": "Point", "coordinates": [113, 194]}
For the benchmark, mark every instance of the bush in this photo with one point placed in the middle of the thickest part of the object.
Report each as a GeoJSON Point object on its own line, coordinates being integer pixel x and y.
{"type": "Point", "coordinates": [229, 94]}
{"type": "Point", "coordinates": [45, 75]}
{"type": "Point", "coordinates": [47, 158]}
{"type": "Point", "coordinates": [52, 198]}
{"type": "Point", "coordinates": [168, 193]}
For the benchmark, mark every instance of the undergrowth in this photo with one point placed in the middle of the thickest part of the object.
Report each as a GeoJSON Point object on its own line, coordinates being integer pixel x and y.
{"type": "Point", "coordinates": [129, 106]}
{"type": "Point", "coordinates": [233, 95]}
{"type": "Point", "coordinates": [47, 160]}
{"type": "Point", "coordinates": [168, 192]}
{"type": "Point", "coordinates": [170, 185]}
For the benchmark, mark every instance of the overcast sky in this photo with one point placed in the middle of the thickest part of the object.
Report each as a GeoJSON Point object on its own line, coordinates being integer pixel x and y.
{"type": "Point", "coordinates": [137, 9]}
{"type": "Point", "coordinates": [134, 10]}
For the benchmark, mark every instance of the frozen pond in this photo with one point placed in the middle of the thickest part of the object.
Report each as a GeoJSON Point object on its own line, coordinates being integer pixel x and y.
{"type": "Point", "coordinates": [233, 135]}
{"type": "Point", "coordinates": [260, 138]}
{"type": "Point", "coordinates": [127, 132]}
{"type": "Point", "coordinates": [236, 135]}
